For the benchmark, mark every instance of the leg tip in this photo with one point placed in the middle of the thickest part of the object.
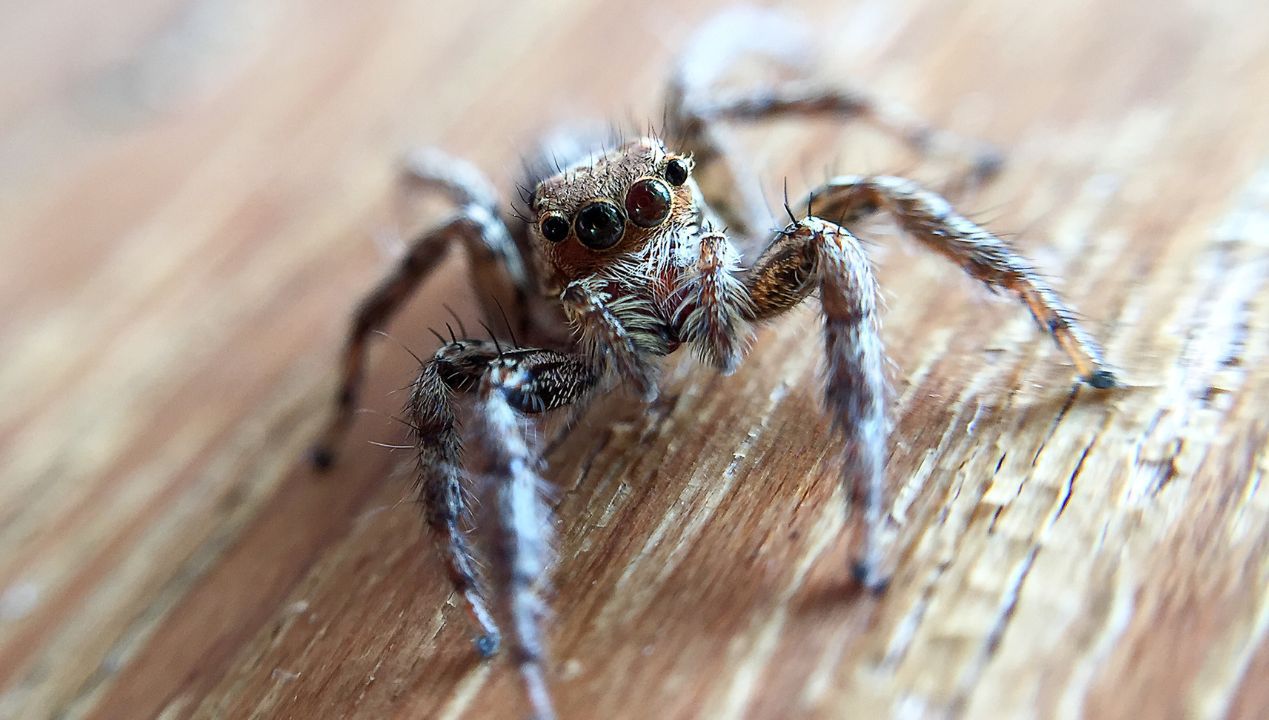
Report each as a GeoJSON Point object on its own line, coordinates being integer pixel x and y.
{"type": "Point", "coordinates": [487, 645]}
{"type": "Point", "coordinates": [868, 578]}
{"type": "Point", "coordinates": [321, 457]}
{"type": "Point", "coordinates": [1102, 380]}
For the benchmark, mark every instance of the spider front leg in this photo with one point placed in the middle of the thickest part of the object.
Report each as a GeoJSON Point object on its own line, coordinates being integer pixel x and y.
{"type": "Point", "coordinates": [621, 332]}
{"type": "Point", "coordinates": [508, 386]}
{"type": "Point", "coordinates": [813, 254]}
{"type": "Point", "coordinates": [719, 305]}
{"type": "Point", "coordinates": [497, 268]}
{"type": "Point", "coordinates": [456, 367]}
{"type": "Point", "coordinates": [932, 221]}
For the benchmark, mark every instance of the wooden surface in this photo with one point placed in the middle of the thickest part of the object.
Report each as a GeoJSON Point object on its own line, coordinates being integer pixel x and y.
{"type": "Point", "coordinates": [189, 196]}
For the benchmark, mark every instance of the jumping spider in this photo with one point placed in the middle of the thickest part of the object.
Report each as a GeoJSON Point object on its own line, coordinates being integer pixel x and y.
{"type": "Point", "coordinates": [625, 256]}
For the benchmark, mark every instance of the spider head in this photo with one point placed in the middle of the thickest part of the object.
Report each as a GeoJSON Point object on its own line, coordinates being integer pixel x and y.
{"type": "Point", "coordinates": [629, 201]}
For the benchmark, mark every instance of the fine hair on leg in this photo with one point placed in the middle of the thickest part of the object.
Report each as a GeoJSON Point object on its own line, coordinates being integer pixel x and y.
{"type": "Point", "coordinates": [495, 261]}
{"type": "Point", "coordinates": [931, 220]}
{"type": "Point", "coordinates": [815, 255]}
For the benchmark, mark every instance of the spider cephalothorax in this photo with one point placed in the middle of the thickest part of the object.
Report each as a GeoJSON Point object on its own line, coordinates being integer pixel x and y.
{"type": "Point", "coordinates": [636, 201]}
{"type": "Point", "coordinates": [624, 256]}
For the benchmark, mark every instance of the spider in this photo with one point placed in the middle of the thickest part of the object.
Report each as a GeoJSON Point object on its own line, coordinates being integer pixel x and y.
{"type": "Point", "coordinates": [622, 256]}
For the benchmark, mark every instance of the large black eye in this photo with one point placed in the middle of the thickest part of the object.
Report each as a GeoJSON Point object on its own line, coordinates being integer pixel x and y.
{"type": "Point", "coordinates": [676, 171]}
{"type": "Point", "coordinates": [648, 202]}
{"type": "Point", "coordinates": [554, 227]}
{"type": "Point", "coordinates": [599, 225]}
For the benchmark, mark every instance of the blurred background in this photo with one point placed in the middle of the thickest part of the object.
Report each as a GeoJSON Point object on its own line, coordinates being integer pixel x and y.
{"type": "Point", "coordinates": [194, 193]}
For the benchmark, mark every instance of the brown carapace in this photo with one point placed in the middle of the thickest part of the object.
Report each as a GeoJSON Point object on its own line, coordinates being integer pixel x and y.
{"type": "Point", "coordinates": [621, 256]}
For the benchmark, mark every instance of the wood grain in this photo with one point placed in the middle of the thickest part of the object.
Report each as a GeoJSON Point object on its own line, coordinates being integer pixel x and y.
{"type": "Point", "coordinates": [190, 192]}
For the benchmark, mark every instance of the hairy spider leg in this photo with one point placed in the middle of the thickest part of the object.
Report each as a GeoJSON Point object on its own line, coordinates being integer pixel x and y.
{"type": "Point", "coordinates": [932, 221]}
{"type": "Point", "coordinates": [809, 99]}
{"type": "Point", "coordinates": [696, 106]}
{"type": "Point", "coordinates": [814, 254]}
{"type": "Point", "coordinates": [720, 302]}
{"type": "Point", "coordinates": [456, 367]}
{"type": "Point", "coordinates": [508, 384]}
{"type": "Point", "coordinates": [622, 335]}
{"type": "Point", "coordinates": [507, 282]}
{"type": "Point", "coordinates": [495, 262]}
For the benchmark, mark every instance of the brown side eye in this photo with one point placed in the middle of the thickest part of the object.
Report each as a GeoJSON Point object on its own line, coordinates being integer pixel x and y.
{"type": "Point", "coordinates": [648, 203]}
{"type": "Point", "coordinates": [554, 227]}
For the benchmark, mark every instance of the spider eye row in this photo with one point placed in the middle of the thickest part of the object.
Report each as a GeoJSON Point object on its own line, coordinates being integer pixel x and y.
{"type": "Point", "coordinates": [600, 224]}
